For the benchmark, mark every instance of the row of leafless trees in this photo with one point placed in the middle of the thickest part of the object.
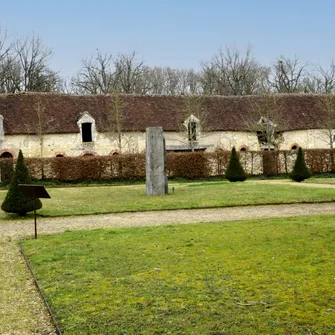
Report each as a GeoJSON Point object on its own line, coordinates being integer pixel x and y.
{"type": "Point", "coordinates": [229, 72]}
{"type": "Point", "coordinates": [25, 66]}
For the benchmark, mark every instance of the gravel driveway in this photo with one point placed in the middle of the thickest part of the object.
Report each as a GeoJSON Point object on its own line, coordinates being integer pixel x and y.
{"type": "Point", "coordinates": [18, 292]}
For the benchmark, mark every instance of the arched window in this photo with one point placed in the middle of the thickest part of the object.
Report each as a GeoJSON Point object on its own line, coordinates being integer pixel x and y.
{"type": "Point", "coordinates": [6, 154]}
{"type": "Point", "coordinates": [88, 154]}
{"type": "Point", "coordinates": [243, 148]}
{"type": "Point", "coordinates": [294, 146]}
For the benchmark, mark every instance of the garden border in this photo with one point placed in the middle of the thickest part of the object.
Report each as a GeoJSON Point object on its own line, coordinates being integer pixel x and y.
{"type": "Point", "coordinates": [58, 331]}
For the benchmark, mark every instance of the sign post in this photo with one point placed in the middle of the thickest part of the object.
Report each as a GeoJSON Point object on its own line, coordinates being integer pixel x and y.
{"type": "Point", "coordinates": [34, 192]}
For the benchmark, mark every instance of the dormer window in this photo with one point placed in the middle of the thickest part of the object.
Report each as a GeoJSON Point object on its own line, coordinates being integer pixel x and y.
{"type": "Point", "coordinates": [86, 125]}
{"type": "Point", "coordinates": [192, 131]}
{"type": "Point", "coordinates": [267, 134]}
{"type": "Point", "coordinates": [192, 125]}
{"type": "Point", "coordinates": [86, 132]}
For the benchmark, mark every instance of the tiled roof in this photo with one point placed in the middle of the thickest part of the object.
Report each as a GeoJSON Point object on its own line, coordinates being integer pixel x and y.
{"type": "Point", "coordinates": [223, 113]}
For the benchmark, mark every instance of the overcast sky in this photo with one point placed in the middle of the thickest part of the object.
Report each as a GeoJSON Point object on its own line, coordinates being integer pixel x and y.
{"type": "Point", "coordinates": [174, 33]}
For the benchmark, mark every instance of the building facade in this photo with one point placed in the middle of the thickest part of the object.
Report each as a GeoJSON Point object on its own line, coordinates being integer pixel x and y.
{"type": "Point", "coordinates": [51, 124]}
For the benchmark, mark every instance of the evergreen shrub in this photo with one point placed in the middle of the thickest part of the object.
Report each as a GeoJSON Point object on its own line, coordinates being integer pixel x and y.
{"type": "Point", "coordinates": [300, 171]}
{"type": "Point", "coordinates": [235, 170]}
{"type": "Point", "coordinates": [15, 201]}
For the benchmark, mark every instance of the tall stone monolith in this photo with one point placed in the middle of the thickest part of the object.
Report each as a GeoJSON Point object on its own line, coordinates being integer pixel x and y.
{"type": "Point", "coordinates": [156, 180]}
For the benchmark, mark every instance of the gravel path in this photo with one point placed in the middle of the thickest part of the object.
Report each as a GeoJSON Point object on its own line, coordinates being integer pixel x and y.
{"type": "Point", "coordinates": [17, 291]}
{"type": "Point", "coordinates": [154, 218]}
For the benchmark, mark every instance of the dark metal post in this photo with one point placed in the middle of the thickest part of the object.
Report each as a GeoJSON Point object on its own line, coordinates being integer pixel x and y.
{"type": "Point", "coordinates": [34, 192]}
{"type": "Point", "coordinates": [35, 218]}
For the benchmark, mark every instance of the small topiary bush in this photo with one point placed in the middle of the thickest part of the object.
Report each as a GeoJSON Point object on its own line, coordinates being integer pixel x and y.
{"type": "Point", "coordinates": [235, 170]}
{"type": "Point", "coordinates": [300, 171]}
{"type": "Point", "coordinates": [15, 201]}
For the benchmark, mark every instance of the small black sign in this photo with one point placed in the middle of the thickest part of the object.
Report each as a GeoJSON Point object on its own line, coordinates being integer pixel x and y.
{"type": "Point", "coordinates": [34, 191]}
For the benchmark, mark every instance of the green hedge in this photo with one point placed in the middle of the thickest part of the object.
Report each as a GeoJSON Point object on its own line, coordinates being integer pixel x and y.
{"type": "Point", "coordinates": [188, 165]}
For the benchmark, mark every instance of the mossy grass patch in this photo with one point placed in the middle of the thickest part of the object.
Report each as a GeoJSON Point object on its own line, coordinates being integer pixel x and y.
{"type": "Point", "coordinates": [251, 277]}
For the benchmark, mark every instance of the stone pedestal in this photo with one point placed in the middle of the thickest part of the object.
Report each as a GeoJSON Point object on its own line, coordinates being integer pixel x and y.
{"type": "Point", "coordinates": [156, 180]}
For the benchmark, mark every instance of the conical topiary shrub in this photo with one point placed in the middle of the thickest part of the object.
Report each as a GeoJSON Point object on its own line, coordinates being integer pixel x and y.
{"type": "Point", "coordinates": [235, 170]}
{"type": "Point", "coordinates": [15, 201]}
{"type": "Point", "coordinates": [300, 171]}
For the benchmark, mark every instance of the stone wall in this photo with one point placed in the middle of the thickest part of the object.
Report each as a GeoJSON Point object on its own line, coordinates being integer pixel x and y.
{"type": "Point", "coordinates": [132, 142]}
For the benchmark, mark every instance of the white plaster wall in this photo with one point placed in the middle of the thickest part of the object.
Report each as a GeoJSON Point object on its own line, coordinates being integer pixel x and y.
{"type": "Point", "coordinates": [307, 139]}
{"type": "Point", "coordinates": [223, 140]}
{"type": "Point", "coordinates": [71, 144]}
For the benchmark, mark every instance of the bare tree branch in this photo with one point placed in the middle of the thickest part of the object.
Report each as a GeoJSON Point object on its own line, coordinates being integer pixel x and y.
{"type": "Point", "coordinates": [287, 75]}
{"type": "Point", "coordinates": [231, 73]}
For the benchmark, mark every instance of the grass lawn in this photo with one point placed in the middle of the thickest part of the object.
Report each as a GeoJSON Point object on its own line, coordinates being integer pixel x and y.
{"type": "Point", "coordinates": [249, 277]}
{"type": "Point", "coordinates": [107, 199]}
{"type": "Point", "coordinates": [321, 180]}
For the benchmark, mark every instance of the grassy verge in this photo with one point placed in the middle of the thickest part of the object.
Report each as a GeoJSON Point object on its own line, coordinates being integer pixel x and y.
{"type": "Point", "coordinates": [255, 277]}
{"type": "Point", "coordinates": [321, 180]}
{"type": "Point", "coordinates": [107, 199]}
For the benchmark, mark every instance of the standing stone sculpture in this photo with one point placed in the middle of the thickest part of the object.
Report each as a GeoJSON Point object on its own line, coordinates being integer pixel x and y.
{"type": "Point", "coordinates": [156, 180]}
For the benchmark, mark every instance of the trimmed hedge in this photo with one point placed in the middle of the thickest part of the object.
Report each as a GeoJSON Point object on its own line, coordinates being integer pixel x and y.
{"type": "Point", "coordinates": [7, 170]}
{"type": "Point", "coordinates": [129, 166]}
{"type": "Point", "coordinates": [188, 165]}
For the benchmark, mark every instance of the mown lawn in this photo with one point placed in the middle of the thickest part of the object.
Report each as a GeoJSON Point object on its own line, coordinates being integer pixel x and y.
{"type": "Point", "coordinates": [321, 180]}
{"type": "Point", "coordinates": [107, 199]}
{"type": "Point", "coordinates": [249, 277]}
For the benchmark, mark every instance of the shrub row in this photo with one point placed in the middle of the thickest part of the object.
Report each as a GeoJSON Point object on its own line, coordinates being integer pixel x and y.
{"type": "Point", "coordinates": [186, 165]}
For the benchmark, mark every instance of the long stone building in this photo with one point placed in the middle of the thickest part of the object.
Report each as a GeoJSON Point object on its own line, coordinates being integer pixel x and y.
{"type": "Point", "coordinates": [52, 124]}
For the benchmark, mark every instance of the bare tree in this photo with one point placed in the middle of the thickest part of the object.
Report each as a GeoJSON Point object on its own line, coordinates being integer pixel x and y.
{"type": "Point", "coordinates": [41, 123]}
{"type": "Point", "coordinates": [232, 73]}
{"type": "Point", "coordinates": [30, 68]}
{"type": "Point", "coordinates": [195, 124]}
{"type": "Point", "coordinates": [326, 107]}
{"type": "Point", "coordinates": [170, 81]}
{"type": "Point", "coordinates": [193, 81]}
{"type": "Point", "coordinates": [10, 74]}
{"type": "Point", "coordinates": [35, 74]}
{"type": "Point", "coordinates": [97, 76]}
{"type": "Point", "coordinates": [208, 80]}
{"type": "Point", "coordinates": [287, 75]}
{"type": "Point", "coordinates": [156, 77]}
{"type": "Point", "coordinates": [41, 126]}
{"type": "Point", "coordinates": [24, 66]}
{"type": "Point", "coordinates": [104, 75]}
{"type": "Point", "coordinates": [325, 79]}
{"type": "Point", "coordinates": [129, 73]}
{"type": "Point", "coordinates": [267, 119]}
{"type": "Point", "coordinates": [5, 47]}
{"type": "Point", "coordinates": [310, 84]}
{"type": "Point", "coordinates": [8, 70]}
{"type": "Point", "coordinates": [115, 121]}
{"type": "Point", "coordinates": [327, 124]}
